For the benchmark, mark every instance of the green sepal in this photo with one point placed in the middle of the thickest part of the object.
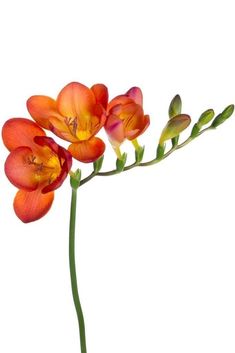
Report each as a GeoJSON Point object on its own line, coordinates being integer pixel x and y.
{"type": "Point", "coordinates": [160, 150]}
{"type": "Point", "coordinates": [195, 130]}
{"type": "Point", "coordinates": [75, 179]}
{"type": "Point", "coordinates": [226, 113]}
{"type": "Point", "coordinates": [175, 141]}
{"type": "Point", "coordinates": [139, 154]}
{"type": "Point", "coordinates": [120, 163]}
{"type": "Point", "coordinates": [175, 107]}
{"type": "Point", "coordinates": [206, 117]}
{"type": "Point", "coordinates": [98, 164]}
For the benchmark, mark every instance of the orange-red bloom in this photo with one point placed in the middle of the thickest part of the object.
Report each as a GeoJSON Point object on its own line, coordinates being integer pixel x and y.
{"type": "Point", "coordinates": [76, 116]}
{"type": "Point", "coordinates": [126, 119]}
{"type": "Point", "coordinates": [36, 165]}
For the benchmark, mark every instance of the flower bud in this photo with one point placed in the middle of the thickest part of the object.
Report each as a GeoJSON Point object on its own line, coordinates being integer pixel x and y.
{"type": "Point", "coordinates": [175, 106]}
{"type": "Point", "coordinates": [226, 113]}
{"type": "Point", "coordinates": [206, 117]}
{"type": "Point", "coordinates": [174, 127]}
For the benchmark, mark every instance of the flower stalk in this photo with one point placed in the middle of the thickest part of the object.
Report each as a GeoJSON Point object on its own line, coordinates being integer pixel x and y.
{"type": "Point", "coordinates": [148, 163]}
{"type": "Point", "coordinates": [72, 262]}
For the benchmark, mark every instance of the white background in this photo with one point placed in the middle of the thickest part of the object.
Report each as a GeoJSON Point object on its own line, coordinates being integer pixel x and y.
{"type": "Point", "coordinates": [155, 246]}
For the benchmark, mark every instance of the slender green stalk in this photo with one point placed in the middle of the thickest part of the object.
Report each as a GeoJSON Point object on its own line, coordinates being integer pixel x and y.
{"type": "Point", "coordinates": [89, 177]}
{"type": "Point", "coordinates": [145, 164]}
{"type": "Point", "coordinates": [72, 266]}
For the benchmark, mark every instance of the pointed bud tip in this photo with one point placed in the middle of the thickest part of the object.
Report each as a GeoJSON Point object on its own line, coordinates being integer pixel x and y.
{"type": "Point", "coordinates": [175, 106]}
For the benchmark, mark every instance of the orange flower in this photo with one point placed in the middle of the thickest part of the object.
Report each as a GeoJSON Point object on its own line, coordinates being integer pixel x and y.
{"type": "Point", "coordinates": [76, 116]}
{"type": "Point", "coordinates": [126, 119]}
{"type": "Point", "coordinates": [36, 165]}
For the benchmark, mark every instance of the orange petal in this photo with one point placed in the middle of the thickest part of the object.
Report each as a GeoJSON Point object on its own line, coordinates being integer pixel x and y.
{"type": "Point", "coordinates": [145, 121]}
{"type": "Point", "coordinates": [61, 129]}
{"type": "Point", "coordinates": [131, 114]}
{"type": "Point", "coordinates": [30, 206]}
{"type": "Point", "coordinates": [115, 129]}
{"type": "Point", "coordinates": [75, 100]}
{"type": "Point", "coordinates": [19, 170]}
{"type": "Point", "coordinates": [136, 94]}
{"type": "Point", "coordinates": [101, 94]}
{"type": "Point", "coordinates": [41, 108]}
{"type": "Point", "coordinates": [87, 151]}
{"type": "Point", "coordinates": [18, 132]}
{"type": "Point", "coordinates": [133, 119]}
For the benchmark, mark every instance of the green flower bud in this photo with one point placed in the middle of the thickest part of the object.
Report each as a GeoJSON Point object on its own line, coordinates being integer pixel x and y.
{"type": "Point", "coordinates": [206, 117]}
{"type": "Point", "coordinates": [174, 127]}
{"type": "Point", "coordinates": [175, 106]}
{"type": "Point", "coordinates": [226, 113]}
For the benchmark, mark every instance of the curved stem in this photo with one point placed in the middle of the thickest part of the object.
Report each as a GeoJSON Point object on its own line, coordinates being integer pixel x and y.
{"type": "Point", "coordinates": [72, 266]}
{"type": "Point", "coordinates": [145, 164]}
{"type": "Point", "coordinates": [89, 177]}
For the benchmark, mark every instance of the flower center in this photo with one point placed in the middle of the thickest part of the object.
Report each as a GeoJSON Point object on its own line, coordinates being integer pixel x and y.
{"type": "Point", "coordinates": [46, 167]}
{"type": "Point", "coordinates": [80, 129]}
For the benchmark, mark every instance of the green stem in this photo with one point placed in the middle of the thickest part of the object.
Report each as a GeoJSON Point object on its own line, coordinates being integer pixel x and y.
{"type": "Point", "coordinates": [72, 266]}
{"type": "Point", "coordinates": [89, 177]}
{"type": "Point", "coordinates": [145, 164]}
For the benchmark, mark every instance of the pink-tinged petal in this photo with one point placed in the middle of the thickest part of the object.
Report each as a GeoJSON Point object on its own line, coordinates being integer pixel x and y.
{"type": "Point", "coordinates": [115, 129]}
{"type": "Point", "coordinates": [18, 132]}
{"type": "Point", "coordinates": [20, 170]}
{"type": "Point", "coordinates": [119, 100]}
{"type": "Point", "coordinates": [30, 206]}
{"type": "Point", "coordinates": [41, 108]}
{"type": "Point", "coordinates": [65, 159]}
{"type": "Point", "coordinates": [87, 151]}
{"type": "Point", "coordinates": [135, 93]}
{"type": "Point", "coordinates": [101, 94]}
{"type": "Point", "coordinates": [63, 130]}
{"type": "Point", "coordinates": [75, 100]}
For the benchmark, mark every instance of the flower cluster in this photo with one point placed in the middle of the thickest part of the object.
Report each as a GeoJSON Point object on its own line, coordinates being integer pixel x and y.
{"type": "Point", "coordinates": [37, 165]}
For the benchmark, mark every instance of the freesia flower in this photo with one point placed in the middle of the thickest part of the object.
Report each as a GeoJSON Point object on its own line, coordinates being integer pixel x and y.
{"type": "Point", "coordinates": [76, 116]}
{"type": "Point", "coordinates": [36, 165]}
{"type": "Point", "coordinates": [126, 119]}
